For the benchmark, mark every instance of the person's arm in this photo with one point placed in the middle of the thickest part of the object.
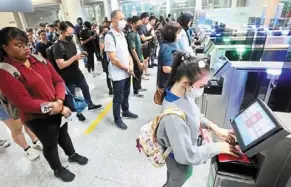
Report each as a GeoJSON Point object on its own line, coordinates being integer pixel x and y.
{"type": "Point", "coordinates": [111, 52]}
{"type": "Point", "coordinates": [131, 43]}
{"type": "Point", "coordinates": [84, 41]}
{"type": "Point", "coordinates": [184, 43]}
{"type": "Point", "coordinates": [167, 60]}
{"type": "Point", "coordinates": [58, 55]}
{"type": "Point", "coordinates": [145, 38]}
{"type": "Point", "coordinates": [58, 83]}
{"type": "Point", "coordinates": [179, 136]}
{"type": "Point", "coordinates": [37, 49]}
{"type": "Point", "coordinates": [130, 63]}
{"type": "Point", "coordinates": [101, 46]}
{"type": "Point", "coordinates": [20, 96]}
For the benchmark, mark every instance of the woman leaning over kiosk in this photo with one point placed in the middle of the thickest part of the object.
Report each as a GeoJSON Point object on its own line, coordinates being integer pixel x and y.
{"type": "Point", "coordinates": [188, 78]}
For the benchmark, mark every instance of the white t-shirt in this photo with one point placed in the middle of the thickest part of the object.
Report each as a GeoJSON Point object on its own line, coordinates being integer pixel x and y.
{"type": "Point", "coordinates": [121, 51]}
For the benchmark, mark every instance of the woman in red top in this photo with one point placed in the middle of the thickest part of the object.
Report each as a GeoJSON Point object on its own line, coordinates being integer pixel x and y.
{"type": "Point", "coordinates": [38, 84]}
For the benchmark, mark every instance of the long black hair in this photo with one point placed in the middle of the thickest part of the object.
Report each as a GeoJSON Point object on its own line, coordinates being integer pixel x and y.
{"type": "Point", "coordinates": [9, 33]}
{"type": "Point", "coordinates": [188, 66]}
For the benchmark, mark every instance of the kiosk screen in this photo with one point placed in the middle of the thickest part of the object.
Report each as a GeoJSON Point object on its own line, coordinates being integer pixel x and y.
{"type": "Point", "coordinates": [219, 66]}
{"type": "Point", "coordinates": [253, 123]}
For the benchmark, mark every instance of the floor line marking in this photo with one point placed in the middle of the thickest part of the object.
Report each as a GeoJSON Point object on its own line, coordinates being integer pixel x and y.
{"type": "Point", "coordinates": [99, 118]}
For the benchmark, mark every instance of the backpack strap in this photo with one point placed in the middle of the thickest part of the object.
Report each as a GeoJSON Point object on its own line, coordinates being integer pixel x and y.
{"type": "Point", "coordinates": [39, 58]}
{"type": "Point", "coordinates": [169, 111]}
{"type": "Point", "coordinates": [10, 69]}
{"type": "Point", "coordinates": [112, 35]}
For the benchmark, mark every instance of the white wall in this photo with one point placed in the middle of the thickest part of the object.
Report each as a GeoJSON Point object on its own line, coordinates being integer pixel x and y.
{"type": "Point", "coordinates": [7, 19]}
{"type": "Point", "coordinates": [44, 2]}
{"type": "Point", "coordinates": [229, 16]}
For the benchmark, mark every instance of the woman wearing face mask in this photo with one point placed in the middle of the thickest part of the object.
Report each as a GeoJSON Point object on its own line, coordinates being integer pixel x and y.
{"type": "Point", "coordinates": [188, 78]}
{"type": "Point", "coordinates": [184, 42]}
{"type": "Point", "coordinates": [167, 50]}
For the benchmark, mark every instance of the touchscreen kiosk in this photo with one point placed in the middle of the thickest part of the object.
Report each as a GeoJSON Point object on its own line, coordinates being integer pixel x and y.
{"type": "Point", "coordinates": [220, 66]}
{"type": "Point", "coordinates": [208, 46]}
{"type": "Point", "coordinates": [257, 128]}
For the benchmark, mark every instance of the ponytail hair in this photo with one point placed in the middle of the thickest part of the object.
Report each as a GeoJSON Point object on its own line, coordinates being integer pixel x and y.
{"type": "Point", "coordinates": [185, 65]}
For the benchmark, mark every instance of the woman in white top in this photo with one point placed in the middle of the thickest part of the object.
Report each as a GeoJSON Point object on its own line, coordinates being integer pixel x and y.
{"type": "Point", "coordinates": [184, 41]}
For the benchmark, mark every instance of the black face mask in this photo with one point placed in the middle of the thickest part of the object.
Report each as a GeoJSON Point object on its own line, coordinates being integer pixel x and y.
{"type": "Point", "coordinates": [69, 38]}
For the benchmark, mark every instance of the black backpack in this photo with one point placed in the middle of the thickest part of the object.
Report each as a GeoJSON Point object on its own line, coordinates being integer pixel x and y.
{"type": "Point", "coordinates": [51, 58]}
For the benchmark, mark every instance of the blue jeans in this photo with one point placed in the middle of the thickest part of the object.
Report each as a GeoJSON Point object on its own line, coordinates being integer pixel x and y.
{"type": "Point", "coordinates": [85, 90]}
{"type": "Point", "coordinates": [121, 91]}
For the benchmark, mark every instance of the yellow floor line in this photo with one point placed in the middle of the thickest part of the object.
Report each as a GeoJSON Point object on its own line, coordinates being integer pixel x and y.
{"type": "Point", "coordinates": [99, 118]}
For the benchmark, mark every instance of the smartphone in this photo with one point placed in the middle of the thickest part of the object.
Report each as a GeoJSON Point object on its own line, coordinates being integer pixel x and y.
{"type": "Point", "coordinates": [45, 108]}
{"type": "Point", "coordinates": [84, 53]}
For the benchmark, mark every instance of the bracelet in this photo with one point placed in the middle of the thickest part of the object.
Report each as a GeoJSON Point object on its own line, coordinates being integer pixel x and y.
{"type": "Point", "coordinates": [62, 109]}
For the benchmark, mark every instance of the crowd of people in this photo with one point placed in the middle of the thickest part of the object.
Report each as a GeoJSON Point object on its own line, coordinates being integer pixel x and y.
{"type": "Point", "coordinates": [126, 49]}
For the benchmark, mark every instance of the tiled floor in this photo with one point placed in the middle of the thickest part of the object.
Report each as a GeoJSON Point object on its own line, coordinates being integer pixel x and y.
{"type": "Point", "coordinates": [114, 159]}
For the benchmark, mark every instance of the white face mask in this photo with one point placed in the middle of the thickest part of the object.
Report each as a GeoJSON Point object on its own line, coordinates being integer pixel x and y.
{"type": "Point", "coordinates": [121, 25]}
{"type": "Point", "coordinates": [195, 92]}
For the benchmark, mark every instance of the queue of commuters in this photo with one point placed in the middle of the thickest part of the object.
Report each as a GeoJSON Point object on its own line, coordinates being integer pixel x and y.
{"type": "Point", "coordinates": [47, 63]}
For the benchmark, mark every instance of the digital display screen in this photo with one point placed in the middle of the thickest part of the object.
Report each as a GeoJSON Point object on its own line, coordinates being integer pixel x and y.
{"type": "Point", "coordinates": [253, 123]}
{"type": "Point", "coordinates": [217, 66]}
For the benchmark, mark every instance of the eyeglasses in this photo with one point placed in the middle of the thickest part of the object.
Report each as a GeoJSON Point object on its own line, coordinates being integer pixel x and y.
{"type": "Point", "coordinates": [22, 46]}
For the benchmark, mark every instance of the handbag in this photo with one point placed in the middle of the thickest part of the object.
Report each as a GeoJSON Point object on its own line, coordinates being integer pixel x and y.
{"type": "Point", "coordinates": [159, 96]}
{"type": "Point", "coordinates": [74, 103]}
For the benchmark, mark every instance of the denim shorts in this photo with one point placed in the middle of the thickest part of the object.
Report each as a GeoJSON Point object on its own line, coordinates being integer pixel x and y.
{"type": "Point", "coordinates": [3, 114]}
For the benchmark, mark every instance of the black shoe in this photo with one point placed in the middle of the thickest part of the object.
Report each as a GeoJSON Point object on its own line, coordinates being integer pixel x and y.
{"type": "Point", "coordinates": [78, 158]}
{"type": "Point", "coordinates": [151, 66]}
{"type": "Point", "coordinates": [121, 125]}
{"type": "Point", "coordinates": [94, 107]}
{"type": "Point", "coordinates": [129, 115]}
{"type": "Point", "coordinates": [110, 92]}
{"type": "Point", "coordinates": [142, 89]}
{"type": "Point", "coordinates": [81, 117]}
{"type": "Point", "coordinates": [64, 174]}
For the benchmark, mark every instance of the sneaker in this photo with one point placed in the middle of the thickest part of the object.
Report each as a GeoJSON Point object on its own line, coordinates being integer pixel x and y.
{"type": "Point", "coordinates": [81, 117]}
{"type": "Point", "coordinates": [64, 174]}
{"type": "Point", "coordinates": [31, 154]}
{"type": "Point", "coordinates": [142, 89]}
{"type": "Point", "coordinates": [129, 115]}
{"type": "Point", "coordinates": [37, 145]}
{"type": "Point", "coordinates": [4, 143]}
{"type": "Point", "coordinates": [121, 125]}
{"type": "Point", "coordinates": [139, 95]}
{"type": "Point", "coordinates": [110, 92]}
{"type": "Point", "coordinates": [78, 158]}
{"type": "Point", "coordinates": [94, 107]}
{"type": "Point", "coordinates": [145, 78]}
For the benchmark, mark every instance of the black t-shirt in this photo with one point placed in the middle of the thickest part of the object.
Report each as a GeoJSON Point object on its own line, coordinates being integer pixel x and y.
{"type": "Point", "coordinates": [143, 31]}
{"type": "Point", "coordinates": [66, 50]}
{"type": "Point", "coordinates": [41, 48]}
{"type": "Point", "coordinates": [90, 46]}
